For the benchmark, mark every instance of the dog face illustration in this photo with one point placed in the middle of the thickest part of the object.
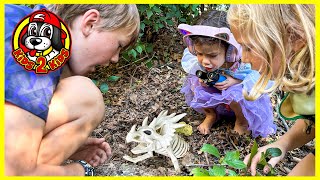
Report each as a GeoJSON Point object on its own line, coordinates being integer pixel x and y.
{"type": "Point", "coordinates": [41, 42]}
{"type": "Point", "coordinates": [41, 36]}
{"type": "Point", "coordinates": [44, 32]}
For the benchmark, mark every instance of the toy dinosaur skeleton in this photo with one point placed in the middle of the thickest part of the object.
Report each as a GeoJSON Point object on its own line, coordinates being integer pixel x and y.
{"type": "Point", "coordinates": [159, 137]}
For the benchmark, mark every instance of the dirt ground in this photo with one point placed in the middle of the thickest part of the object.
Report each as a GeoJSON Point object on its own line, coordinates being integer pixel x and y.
{"type": "Point", "coordinates": [142, 92]}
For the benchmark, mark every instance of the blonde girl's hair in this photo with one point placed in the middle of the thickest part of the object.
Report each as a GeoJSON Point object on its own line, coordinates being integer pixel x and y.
{"type": "Point", "coordinates": [114, 16]}
{"type": "Point", "coordinates": [282, 27]}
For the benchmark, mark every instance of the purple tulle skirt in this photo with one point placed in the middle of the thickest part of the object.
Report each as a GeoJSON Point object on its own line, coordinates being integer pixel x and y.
{"type": "Point", "coordinates": [258, 113]}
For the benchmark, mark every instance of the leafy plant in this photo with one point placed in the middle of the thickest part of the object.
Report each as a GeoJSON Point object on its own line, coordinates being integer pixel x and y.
{"type": "Point", "coordinates": [154, 18]}
{"type": "Point", "coordinates": [270, 152]}
{"type": "Point", "coordinates": [103, 86]}
{"type": "Point", "coordinates": [230, 164]}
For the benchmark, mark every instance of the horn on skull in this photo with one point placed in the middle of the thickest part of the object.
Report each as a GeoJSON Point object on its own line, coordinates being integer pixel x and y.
{"type": "Point", "coordinates": [145, 121]}
{"type": "Point", "coordinates": [133, 128]}
{"type": "Point", "coordinates": [130, 135]}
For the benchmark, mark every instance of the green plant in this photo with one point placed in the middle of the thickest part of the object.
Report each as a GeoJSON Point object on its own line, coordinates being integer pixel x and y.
{"type": "Point", "coordinates": [154, 18]}
{"type": "Point", "coordinates": [103, 86]}
{"type": "Point", "coordinates": [230, 164]}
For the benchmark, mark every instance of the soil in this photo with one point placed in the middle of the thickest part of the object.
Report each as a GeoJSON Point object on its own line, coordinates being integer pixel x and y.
{"type": "Point", "coordinates": [144, 92]}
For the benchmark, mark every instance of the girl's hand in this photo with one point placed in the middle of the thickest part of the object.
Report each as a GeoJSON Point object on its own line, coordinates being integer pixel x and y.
{"type": "Point", "coordinates": [227, 83]}
{"type": "Point", "coordinates": [273, 161]}
{"type": "Point", "coordinates": [202, 83]}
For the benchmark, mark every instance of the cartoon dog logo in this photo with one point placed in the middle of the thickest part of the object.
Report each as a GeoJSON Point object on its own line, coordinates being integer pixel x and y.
{"type": "Point", "coordinates": [41, 42]}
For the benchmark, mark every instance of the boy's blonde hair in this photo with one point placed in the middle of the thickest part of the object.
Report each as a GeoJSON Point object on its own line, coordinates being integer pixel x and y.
{"type": "Point", "coordinates": [279, 26]}
{"type": "Point", "coordinates": [113, 16]}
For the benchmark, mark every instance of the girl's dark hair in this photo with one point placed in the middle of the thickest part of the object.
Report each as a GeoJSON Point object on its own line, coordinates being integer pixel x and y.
{"type": "Point", "coordinates": [212, 18]}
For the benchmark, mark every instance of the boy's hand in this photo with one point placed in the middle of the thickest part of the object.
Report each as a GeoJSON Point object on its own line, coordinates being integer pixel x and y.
{"type": "Point", "coordinates": [227, 83]}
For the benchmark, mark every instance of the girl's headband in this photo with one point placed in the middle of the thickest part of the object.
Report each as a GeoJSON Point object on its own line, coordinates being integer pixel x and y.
{"type": "Point", "coordinates": [223, 34]}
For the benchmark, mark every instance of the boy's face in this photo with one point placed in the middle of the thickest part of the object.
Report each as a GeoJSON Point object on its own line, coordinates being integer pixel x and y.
{"type": "Point", "coordinates": [212, 56]}
{"type": "Point", "coordinates": [97, 48]}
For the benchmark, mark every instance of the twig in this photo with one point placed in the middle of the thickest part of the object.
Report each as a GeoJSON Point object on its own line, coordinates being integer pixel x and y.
{"type": "Point", "coordinates": [132, 76]}
{"type": "Point", "coordinates": [206, 154]}
{"type": "Point", "coordinates": [233, 143]}
{"type": "Point", "coordinates": [295, 159]}
{"type": "Point", "coordinates": [199, 165]}
{"type": "Point", "coordinates": [133, 62]}
{"type": "Point", "coordinates": [284, 123]}
{"type": "Point", "coordinates": [207, 159]}
{"type": "Point", "coordinates": [287, 170]}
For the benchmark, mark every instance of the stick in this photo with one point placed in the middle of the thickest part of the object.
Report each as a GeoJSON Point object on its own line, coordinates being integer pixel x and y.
{"type": "Point", "coordinates": [284, 123]}
{"type": "Point", "coordinates": [233, 143]}
{"type": "Point", "coordinates": [295, 159]}
{"type": "Point", "coordinates": [199, 165]}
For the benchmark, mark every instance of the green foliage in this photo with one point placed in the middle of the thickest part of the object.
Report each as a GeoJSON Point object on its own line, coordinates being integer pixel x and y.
{"type": "Point", "coordinates": [230, 164]}
{"type": "Point", "coordinates": [270, 152]}
{"type": "Point", "coordinates": [154, 18]}
{"type": "Point", "coordinates": [113, 78]}
{"type": "Point", "coordinates": [103, 86]}
{"type": "Point", "coordinates": [199, 172]}
{"type": "Point", "coordinates": [211, 150]}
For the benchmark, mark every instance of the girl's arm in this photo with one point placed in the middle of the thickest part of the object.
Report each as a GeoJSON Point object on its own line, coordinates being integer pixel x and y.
{"type": "Point", "coordinates": [230, 81]}
{"type": "Point", "coordinates": [294, 138]}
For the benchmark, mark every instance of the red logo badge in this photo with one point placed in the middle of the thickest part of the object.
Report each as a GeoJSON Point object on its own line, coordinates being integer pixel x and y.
{"type": "Point", "coordinates": [41, 42]}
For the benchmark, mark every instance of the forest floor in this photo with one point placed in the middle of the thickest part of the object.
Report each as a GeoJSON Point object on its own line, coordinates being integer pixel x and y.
{"type": "Point", "coordinates": [145, 92]}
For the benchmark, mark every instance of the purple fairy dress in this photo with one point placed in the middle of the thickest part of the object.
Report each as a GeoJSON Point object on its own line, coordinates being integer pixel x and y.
{"type": "Point", "coordinates": [259, 113]}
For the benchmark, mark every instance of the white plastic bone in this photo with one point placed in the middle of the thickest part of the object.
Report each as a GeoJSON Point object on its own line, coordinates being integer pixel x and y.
{"type": "Point", "coordinates": [159, 137]}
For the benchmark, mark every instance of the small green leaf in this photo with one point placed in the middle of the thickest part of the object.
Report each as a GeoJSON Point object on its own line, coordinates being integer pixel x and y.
{"type": "Point", "coordinates": [263, 160]}
{"type": "Point", "coordinates": [182, 20]}
{"type": "Point", "coordinates": [160, 25]}
{"type": "Point", "coordinates": [133, 53]}
{"type": "Point", "coordinates": [149, 14]}
{"type": "Point", "coordinates": [151, 5]}
{"type": "Point", "coordinates": [139, 49]}
{"type": "Point", "coordinates": [169, 15]}
{"type": "Point", "coordinates": [149, 48]}
{"type": "Point", "coordinates": [156, 9]}
{"type": "Point", "coordinates": [211, 150]}
{"type": "Point", "coordinates": [95, 82]}
{"type": "Point", "coordinates": [237, 164]}
{"type": "Point", "coordinates": [272, 172]}
{"type": "Point", "coordinates": [113, 78]}
{"type": "Point", "coordinates": [162, 18]}
{"type": "Point", "coordinates": [156, 27]}
{"type": "Point", "coordinates": [199, 172]}
{"type": "Point", "coordinates": [217, 171]}
{"type": "Point", "coordinates": [230, 156]}
{"type": "Point", "coordinates": [142, 26]}
{"type": "Point", "coordinates": [178, 14]}
{"type": "Point", "coordinates": [231, 173]}
{"type": "Point", "coordinates": [170, 22]}
{"type": "Point", "coordinates": [104, 87]}
{"type": "Point", "coordinates": [194, 7]}
{"type": "Point", "coordinates": [149, 64]}
{"type": "Point", "coordinates": [273, 152]}
{"type": "Point", "coordinates": [254, 151]}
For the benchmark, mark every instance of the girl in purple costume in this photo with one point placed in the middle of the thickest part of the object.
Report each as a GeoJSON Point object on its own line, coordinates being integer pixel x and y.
{"type": "Point", "coordinates": [214, 48]}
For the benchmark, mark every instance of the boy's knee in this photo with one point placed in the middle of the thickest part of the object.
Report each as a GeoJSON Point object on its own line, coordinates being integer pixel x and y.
{"type": "Point", "coordinates": [89, 97]}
